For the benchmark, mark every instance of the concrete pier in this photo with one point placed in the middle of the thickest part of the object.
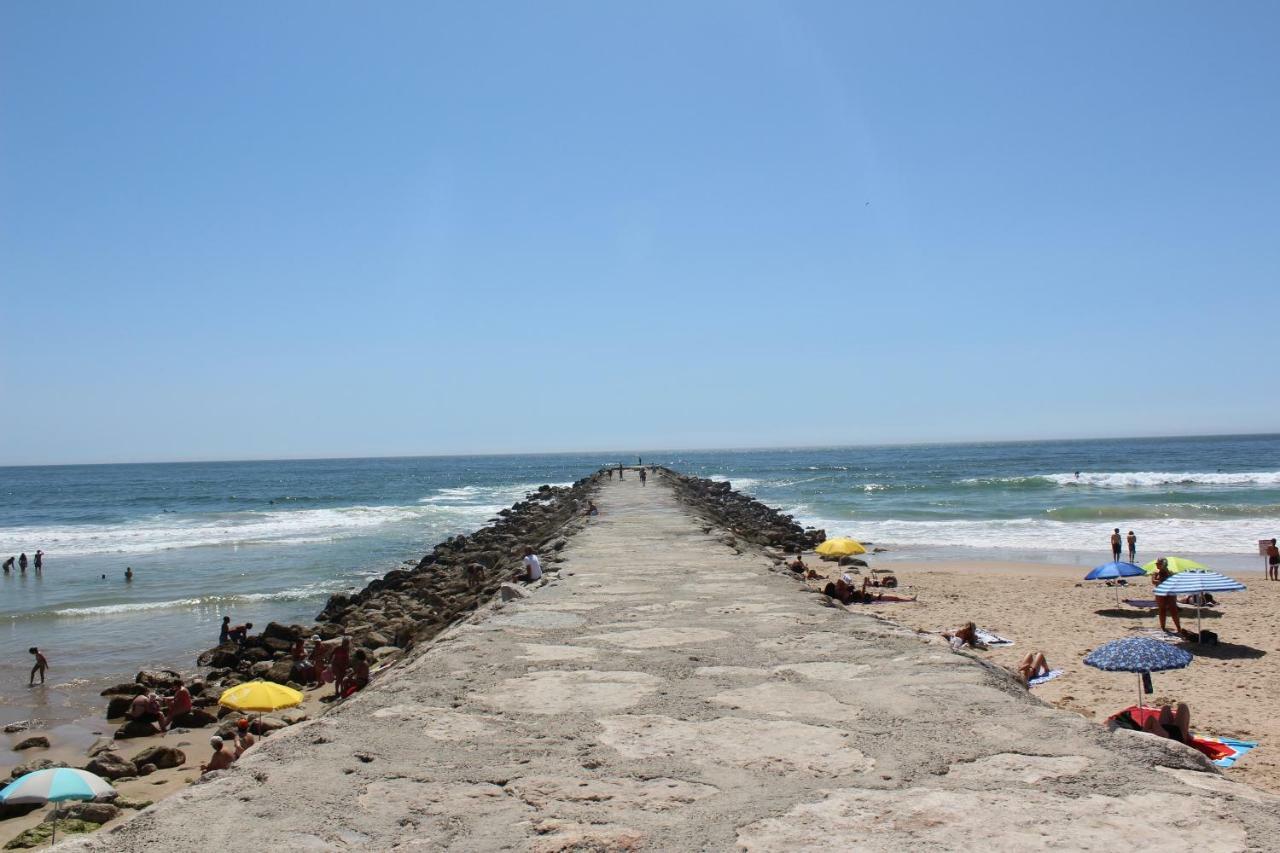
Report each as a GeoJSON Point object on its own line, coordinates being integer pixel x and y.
{"type": "Point", "coordinates": [665, 692]}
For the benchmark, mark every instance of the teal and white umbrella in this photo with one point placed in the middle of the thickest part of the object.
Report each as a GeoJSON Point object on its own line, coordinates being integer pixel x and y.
{"type": "Point", "coordinates": [54, 785]}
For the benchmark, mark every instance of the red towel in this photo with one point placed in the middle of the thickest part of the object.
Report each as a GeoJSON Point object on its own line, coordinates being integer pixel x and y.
{"type": "Point", "coordinates": [1211, 748]}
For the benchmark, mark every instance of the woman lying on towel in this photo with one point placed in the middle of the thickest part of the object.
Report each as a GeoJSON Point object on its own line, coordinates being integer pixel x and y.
{"type": "Point", "coordinates": [1172, 723]}
{"type": "Point", "coordinates": [965, 635]}
{"type": "Point", "coordinates": [1033, 666]}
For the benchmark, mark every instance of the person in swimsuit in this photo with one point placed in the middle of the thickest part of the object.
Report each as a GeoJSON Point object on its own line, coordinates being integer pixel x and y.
{"type": "Point", "coordinates": [1173, 723]}
{"type": "Point", "coordinates": [1033, 666]}
{"type": "Point", "coordinates": [797, 565]}
{"type": "Point", "coordinates": [39, 560]}
{"type": "Point", "coordinates": [1132, 541]}
{"type": "Point", "coordinates": [224, 633]}
{"type": "Point", "coordinates": [42, 664]}
{"type": "Point", "coordinates": [1273, 561]}
{"type": "Point", "coordinates": [1115, 545]}
{"type": "Point", "coordinates": [1166, 605]}
{"type": "Point", "coordinates": [965, 635]}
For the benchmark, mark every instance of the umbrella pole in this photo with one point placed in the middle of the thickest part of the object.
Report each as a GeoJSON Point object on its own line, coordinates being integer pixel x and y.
{"type": "Point", "coordinates": [1140, 690]}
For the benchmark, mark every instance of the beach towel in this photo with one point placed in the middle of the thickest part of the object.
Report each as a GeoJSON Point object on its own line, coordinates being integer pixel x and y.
{"type": "Point", "coordinates": [1238, 749]}
{"type": "Point", "coordinates": [991, 639]}
{"type": "Point", "coordinates": [1041, 679]}
{"type": "Point", "coordinates": [1146, 603]}
{"type": "Point", "coordinates": [1215, 749]}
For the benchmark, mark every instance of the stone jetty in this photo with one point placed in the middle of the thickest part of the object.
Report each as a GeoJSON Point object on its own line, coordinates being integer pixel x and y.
{"type": "Point", "coordinates": [670, 689]}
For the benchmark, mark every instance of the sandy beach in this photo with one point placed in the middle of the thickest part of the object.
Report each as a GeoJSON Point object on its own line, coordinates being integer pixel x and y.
{"type": "Point", "coordinates": [1049, 608]}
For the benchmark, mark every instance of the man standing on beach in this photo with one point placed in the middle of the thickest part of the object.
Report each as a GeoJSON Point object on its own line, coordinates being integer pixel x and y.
{"type": "Point", "coordinates": [1273, 561]}
{"type": "Point", "coordinates": [42, 664]}
{"type": "Point", "coordinates": [1115, 545]}
{"type": "Point", "coordinates": [1132, 541]}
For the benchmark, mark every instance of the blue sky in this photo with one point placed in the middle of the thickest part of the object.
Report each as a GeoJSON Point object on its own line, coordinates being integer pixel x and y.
{"type": "Point", "coordinates": [244, 230]}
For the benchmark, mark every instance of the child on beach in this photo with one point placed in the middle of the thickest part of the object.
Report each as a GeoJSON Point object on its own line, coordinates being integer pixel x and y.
{"type": "Point", "coordinates": [42, 663]}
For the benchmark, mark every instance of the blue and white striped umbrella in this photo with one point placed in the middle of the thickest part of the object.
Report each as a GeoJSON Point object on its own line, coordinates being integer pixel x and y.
{"type": "Point", "coordinates": [54, 785]}
{"type": "Point", "coordinates": [1140, 655]}
{"type": "Point", "coordinates": [1190, 583]}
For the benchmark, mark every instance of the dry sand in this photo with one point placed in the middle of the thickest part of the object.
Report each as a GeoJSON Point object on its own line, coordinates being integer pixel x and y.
{"type": "Point", "coordinates": [1231, 689]}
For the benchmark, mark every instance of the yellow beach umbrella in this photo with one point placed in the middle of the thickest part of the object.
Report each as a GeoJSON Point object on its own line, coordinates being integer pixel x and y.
{"type": "Point", "coordinates": [261, 696]}
{"type": "Point", "coordinates": [1176, 564]}
{"type": "Point", "coordinates": [841, 547]}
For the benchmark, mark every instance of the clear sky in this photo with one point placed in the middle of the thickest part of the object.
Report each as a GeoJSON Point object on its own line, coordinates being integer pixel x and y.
{"type": "Point", "coordinates": [244, 230]}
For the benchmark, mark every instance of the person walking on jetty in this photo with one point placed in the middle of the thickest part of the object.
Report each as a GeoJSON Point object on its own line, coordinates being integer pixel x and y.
{"type": "Point", "coordinates": [1115, 545]}
{"type": "Point", "coordinates": [42, 664]}
{"type": "Point", "coordinates": [22, 562]}
{"type": "Point", "coordinates": [532, 565]}
{"type": "Point", "coordinates": [1132, 541]}
{"type": "Point", "coordinates": [620, 477]}
{"type": "Point", "coordinates": [1273, 561]}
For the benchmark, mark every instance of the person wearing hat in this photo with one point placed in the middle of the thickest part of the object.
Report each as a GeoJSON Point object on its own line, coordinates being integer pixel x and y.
{"type": "Point", "coordinates": [244, 738]}
{"type": "Point", "coordinates": [222, 757]}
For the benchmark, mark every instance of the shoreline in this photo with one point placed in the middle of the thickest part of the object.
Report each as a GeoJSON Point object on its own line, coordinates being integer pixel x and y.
{"type": "Point", "coordinates": [412, 603]}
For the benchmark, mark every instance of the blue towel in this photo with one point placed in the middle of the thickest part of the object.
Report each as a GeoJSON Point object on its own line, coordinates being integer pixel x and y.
{"type": "Point", "coordinates": [1041, 679]}
{"type": "Point", "coordinates": [1240, 746]}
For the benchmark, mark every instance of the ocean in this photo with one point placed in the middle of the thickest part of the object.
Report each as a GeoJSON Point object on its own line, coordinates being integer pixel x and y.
{"type": "Point", "coordinates": [262, 541]}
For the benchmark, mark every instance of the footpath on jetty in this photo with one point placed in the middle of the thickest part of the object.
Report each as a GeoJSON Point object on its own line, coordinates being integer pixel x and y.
{"type": "Point", "coordinates": [668, 691]}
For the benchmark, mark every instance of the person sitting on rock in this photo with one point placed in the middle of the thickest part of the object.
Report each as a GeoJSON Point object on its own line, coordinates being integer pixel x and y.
{"type": "Point", "coordinates": [532, 566]}
{"type": "Point", "coordinates": [359, 676]}
{"type": "Point", "coordinates": [797, 565]}
{"type": "Point", "coordinates": [222, 757]}
{"type": "Point", "coordinates": [179, 704]}
{"type": "Point", "coordinates": [239, 633]}
{"type": "Point", "coordinates": [474, 575]}
{"type": "Point", "coordinates": [591, 509]}
{"type": "Point", "coordinates": [145, 710]}
{"type": "Point", "coordinates": [244, 738]}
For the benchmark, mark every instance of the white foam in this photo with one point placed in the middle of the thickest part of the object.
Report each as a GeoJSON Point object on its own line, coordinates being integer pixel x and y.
{"type": "Point", "coordinates": [220, 601]}
{"type": "Point", "coordinates": [1143, 479]}
{"type": "Point", "coordinates": [1169, 535]}
{"type": "Point", "coordinates": [739, 484]}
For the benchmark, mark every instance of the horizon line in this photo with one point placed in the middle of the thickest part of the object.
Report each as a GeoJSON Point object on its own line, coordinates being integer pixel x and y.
{"type": "Point", "coordinates": [642, 452]}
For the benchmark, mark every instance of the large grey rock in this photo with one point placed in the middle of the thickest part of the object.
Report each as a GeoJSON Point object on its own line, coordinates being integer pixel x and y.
{"type": "Point", "coordinates": [32, 743]}
{"type": "Point", "coordinates": [35, 764]}
{"type": "Point", "coordinates": [92, 812]}
{"type": "Point", "coordinates": [111, 765]}
{"type": "Point", "coordinates": [161, 756]}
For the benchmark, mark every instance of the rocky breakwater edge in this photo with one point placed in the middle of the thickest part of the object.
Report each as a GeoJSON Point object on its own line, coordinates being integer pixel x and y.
{"type": "Point", "coordinates": [745, 521]}
{"type": "Point", "coordinates": [386, 618]}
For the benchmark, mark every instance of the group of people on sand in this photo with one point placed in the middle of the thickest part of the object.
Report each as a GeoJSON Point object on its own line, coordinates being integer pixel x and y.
{"type": "Point", "coordinates": [22, 562]}
{"type": "Point", "coordinates": [227, 750]}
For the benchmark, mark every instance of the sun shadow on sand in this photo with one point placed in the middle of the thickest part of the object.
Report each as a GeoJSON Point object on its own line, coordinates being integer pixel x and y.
{"type": "Point", "coordinates": [1134, 613]}
{"type": "Point", "coordinates": [1224, 651]}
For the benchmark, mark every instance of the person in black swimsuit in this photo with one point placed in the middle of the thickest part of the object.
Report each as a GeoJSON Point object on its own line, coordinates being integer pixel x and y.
{"type": "Point", "coordinates": [1173, 723]}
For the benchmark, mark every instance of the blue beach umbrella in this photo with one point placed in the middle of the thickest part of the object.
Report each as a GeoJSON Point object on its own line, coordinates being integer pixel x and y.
{"type": "Point", "coordinates": [1110, 571]}
{"type": "Point", "coordinates": [54, 785]}
{"type": "Point", "coordinates": [1190, 583]}
{"type": "Point", "coordinates": [1140, 655]}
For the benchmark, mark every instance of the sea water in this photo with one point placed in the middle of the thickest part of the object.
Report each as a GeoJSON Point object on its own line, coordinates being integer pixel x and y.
{"type": "Point", "coordinates": [262, 541]}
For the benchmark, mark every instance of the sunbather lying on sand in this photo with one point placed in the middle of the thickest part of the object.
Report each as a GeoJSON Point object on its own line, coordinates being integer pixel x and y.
{"type": "Point", "coordinates": [965, 635]}
{"type": "Point", "coordinates": [1033, 666]}
{"type": "Point", "coordinates": [1172, 723]}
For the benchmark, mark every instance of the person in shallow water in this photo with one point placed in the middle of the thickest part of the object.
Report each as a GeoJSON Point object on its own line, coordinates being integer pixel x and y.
{"type": "Point", "coordinates": [42, 664]}
{"type": "Point", "coordinates": [22, 561]}
{"type": "Point", "coordinates": [128, 574]}
{"type": "Point", "coordinates": [224, 633]}
{"type": "Point", "coordinates": [8, 565]}
{"type": "Point", "coordinates": [39, 560]}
